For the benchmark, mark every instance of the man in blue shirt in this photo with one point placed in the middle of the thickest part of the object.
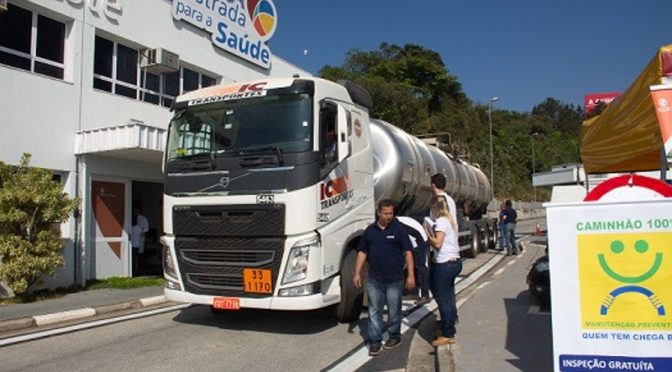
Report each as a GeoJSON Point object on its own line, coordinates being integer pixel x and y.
{"type": "Point", "coordinates": [510, 217]}
{"type": "Point", "coordinates": [385, 245]}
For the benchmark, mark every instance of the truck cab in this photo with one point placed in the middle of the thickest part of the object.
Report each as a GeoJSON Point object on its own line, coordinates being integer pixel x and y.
{"type": "Point", "coordinates": [268, 185]}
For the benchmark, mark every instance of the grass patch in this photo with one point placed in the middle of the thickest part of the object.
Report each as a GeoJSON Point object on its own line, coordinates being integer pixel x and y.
{"type": "Point", "coordinates": [125, 283]}
{"type": "Point", "coordinates": [114, 282]}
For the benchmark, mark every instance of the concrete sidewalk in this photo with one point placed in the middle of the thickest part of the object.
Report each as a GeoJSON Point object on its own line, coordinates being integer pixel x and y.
{"type": "Point", "coordinates": [77, 305]}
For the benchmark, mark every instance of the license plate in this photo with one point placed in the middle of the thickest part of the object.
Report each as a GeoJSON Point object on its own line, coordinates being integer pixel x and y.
{"type": "Point", "coordinates": [257, 280]}
{"type": "Point", "coordinates": [226, 303]}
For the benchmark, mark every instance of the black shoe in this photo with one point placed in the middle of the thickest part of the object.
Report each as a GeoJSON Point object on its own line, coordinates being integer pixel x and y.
{"type": "Point", "coordinates": [422, 301]}
{"type": "Point", "coordinates": [374, 350]}
{"type": "Point", "coordinates": [391, 344]}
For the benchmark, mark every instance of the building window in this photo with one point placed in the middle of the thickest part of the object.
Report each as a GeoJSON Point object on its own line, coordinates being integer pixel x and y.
{"type": "Point", "coordinates": [32, 42]}
{"type": "Point", "coordinates": [117, 70]}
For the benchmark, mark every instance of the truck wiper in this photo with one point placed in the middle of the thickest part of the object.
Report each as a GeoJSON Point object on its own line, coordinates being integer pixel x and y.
{"type": "Point", "coordinates": [254, 156]}
{"type": "Point", "coordinates": [260, 150]}
{"type": "Point", "coordinates": [202, 160]}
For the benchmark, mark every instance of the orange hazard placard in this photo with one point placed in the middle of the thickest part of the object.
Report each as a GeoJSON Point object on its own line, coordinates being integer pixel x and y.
{"type": "Point", "coordinates": [257, 280]}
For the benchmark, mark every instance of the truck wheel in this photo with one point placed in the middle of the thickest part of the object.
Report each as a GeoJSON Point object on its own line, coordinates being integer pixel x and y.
{"type": "Point", "coordinates": [485, 240]}
{"type": "Point", "coordinates": [475, 244]}
{"type": "Point", "coordinates": [350, 307]}
{"type": "Point", "coordinates": [492, 243]}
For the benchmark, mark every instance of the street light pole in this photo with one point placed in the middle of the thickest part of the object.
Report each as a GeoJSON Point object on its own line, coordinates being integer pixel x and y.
{"type": "Point", "coordinates": [492, 159]}
{"type": "Point", "coordinates": [534, 135]}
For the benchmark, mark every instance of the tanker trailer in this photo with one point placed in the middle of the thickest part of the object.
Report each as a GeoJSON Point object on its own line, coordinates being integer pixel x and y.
{"type": "Point", "coordinates": [403, 165]}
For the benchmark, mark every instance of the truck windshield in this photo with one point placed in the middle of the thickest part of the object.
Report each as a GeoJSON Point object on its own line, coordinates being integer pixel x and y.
{"type": "Point", "coordinates": [276, 122]}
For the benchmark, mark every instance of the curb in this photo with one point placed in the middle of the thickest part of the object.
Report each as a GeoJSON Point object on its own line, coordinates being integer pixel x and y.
{"type": "Point", "coordinates": [87, 312]}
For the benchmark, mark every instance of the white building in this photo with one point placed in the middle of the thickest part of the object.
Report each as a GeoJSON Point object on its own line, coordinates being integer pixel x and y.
{"type": "Point", "coordinates": [78, 92]}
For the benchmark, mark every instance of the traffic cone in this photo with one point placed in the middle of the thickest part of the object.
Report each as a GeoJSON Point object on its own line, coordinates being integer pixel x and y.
{"type": "Point", "coordinates": [537, 230]}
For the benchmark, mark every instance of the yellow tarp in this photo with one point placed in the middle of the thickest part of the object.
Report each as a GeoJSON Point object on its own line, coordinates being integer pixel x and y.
{"type": "Point", "coordinates": [626, 136]}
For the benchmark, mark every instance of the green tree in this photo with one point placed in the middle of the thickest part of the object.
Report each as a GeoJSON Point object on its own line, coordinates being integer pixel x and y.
{"type": "Point", "coordinates": [408, 84]}
{"type": "Point", "coordinates": [412, 89]}
{"type": "Point", "coordinates": [32, 206]}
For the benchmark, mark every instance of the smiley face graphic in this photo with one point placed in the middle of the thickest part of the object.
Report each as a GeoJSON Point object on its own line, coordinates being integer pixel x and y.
{"type": "Point", "coordinates": [641, 246]}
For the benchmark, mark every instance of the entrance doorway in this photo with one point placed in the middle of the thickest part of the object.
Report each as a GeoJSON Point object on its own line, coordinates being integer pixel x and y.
{"type": "Point", "coordinates": [148, 198]}
{"type": "Point", "coordinates": [111, 245]}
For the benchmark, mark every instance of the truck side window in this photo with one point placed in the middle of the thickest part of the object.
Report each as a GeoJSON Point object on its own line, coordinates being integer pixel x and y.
{"type": "Point", "coordinates": [329, 140]}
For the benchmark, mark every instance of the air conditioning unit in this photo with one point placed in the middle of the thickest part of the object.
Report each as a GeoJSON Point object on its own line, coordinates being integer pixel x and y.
{"type": "Point", "coordinates": [3, 6]}
{"type": "Point", "coordinates": [159, 61]}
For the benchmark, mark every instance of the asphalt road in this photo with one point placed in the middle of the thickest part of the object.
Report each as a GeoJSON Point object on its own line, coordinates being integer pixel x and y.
{"type": "Point", "coordinates": [501, 327]}
{"type": "Point", "coordinates": [194, 339]}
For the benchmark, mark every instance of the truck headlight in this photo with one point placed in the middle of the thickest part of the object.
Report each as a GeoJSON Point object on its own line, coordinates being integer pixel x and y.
{"type": "Point", "coordinates": [168, 263]}
{"type": "Point", "coordinates": [297, 263]}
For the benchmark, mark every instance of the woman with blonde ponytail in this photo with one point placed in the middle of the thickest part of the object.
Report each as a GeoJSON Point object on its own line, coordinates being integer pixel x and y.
{"type": "Point", "coordinates": [446, 266]}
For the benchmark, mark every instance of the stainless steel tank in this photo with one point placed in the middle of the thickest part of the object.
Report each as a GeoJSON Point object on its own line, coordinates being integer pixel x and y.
{"type": "Point", "coordinates": [403, 166]}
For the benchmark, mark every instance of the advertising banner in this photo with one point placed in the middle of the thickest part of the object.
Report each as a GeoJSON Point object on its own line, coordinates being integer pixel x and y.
{"type": "Point", "coordinates": [590, 101]}
{"type": "Point", "coordinates": [662, 100]}
{"type": "Point", "coordinates": [611, 285]}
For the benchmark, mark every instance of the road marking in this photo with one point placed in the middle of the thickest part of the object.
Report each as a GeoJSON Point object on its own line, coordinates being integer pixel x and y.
{"type": "Point", "coordinates": [499, 271]}
{"type": "Point", "coordinates": [482, 285]}
{"type": "Point", "coordinates": [511, 262]}
{"type": "Point", "coordinates": [79, 327]}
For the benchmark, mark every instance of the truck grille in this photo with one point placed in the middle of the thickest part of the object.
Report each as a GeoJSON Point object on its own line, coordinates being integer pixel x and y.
{"type": "Point", "coordinates": [214, 266]}
{"type": "Point", "coordinates": [230, 220]}
{"type": "Point", "coordinates": [232, 258]}
{"type": "Point", "coordinates": [215, 281]}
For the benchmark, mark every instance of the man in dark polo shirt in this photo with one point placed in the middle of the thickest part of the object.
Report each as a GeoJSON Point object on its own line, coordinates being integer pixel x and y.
{"type": "Point", "coordinates": [386, 246]}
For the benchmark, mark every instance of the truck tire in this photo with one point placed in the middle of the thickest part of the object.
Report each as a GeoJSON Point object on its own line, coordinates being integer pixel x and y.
{"type": "Point", "coordinates": [492, 243]}
{"type": "Point", "coordinates": [485, 239]}
{"type": "Point", "coordinates": [350, 307]}
{"type": "Point", "coordinates": [474, 244]}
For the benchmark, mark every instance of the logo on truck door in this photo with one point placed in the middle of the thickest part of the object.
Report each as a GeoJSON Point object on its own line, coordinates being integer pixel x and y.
{"type": "Point", "coordinates": [335, 191]}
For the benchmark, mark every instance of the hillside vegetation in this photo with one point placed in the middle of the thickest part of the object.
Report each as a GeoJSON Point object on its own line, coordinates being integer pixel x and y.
{"type": "Point", "coordinates": [413, 89]}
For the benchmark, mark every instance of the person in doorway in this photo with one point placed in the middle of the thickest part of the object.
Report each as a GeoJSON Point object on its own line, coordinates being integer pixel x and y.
{"type": "Point", "coordinates": [330, 148]}
{"type": "Point", "coordinates": [420, 254]}
{"type": "Point", "coordinates": [446, 266]}
{"type": "Point", "coordinates": [510, 237]}
{"type": "Point", "coordinates": [138, 231]}
{"type": "Point", "coordinates": [386, 247]}
{"type": "Point", "coordinates": [438, 182]}
{"type": "Point", "coordinates": [502, 227]}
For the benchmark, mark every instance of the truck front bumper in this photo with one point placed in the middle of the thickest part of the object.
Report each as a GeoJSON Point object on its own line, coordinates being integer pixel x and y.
{"type": "Point", "coordinates": [330, 296]}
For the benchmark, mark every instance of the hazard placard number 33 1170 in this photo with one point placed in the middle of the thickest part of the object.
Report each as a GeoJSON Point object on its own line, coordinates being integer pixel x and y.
{"type": "Point", "coordinates": [257, 280]}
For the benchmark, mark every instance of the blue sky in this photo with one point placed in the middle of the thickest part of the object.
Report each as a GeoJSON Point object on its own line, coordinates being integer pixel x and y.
{"type": "Point", "coordinates": [521, 51]}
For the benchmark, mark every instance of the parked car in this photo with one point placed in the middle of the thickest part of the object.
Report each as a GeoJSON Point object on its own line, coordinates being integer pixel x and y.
{"type": "Point", "coordinates": [539, 283]}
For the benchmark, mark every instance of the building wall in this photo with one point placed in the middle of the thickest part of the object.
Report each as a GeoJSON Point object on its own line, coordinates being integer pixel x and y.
{"type": "Point", "coordinates": [42, 115]}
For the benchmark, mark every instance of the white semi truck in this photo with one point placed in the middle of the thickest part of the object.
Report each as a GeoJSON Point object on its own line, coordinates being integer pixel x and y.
{"type": "Point", "coordinates": [259, 215]}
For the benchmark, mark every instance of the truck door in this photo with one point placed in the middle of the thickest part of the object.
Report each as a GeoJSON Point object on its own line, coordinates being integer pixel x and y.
{"type": "Point", "coordinates": [334, 144]}
{"type": "Point", "coordinates": [336, 188]}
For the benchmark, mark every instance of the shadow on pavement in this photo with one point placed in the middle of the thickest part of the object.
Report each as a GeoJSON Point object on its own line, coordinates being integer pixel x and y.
{"type": "Point", "coordinates": [282, 322]}
{"type": "Point", "coordinates": [529, 334]}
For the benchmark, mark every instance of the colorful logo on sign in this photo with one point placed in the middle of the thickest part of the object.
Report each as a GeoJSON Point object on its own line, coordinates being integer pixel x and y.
{"type": "Point", "coordinates": [263, 16]}
{"type": "Point", "coordinates": [236, 26]}
{"type": "Point", "coordinates": [625, 281]}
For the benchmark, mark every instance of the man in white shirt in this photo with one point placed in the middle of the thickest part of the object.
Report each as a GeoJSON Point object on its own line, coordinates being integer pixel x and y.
{"type": "Point", "coordinates": [420, 256]}
{"type": "Point", "coordinates": [138, 231]}
{"type": "Point", "coordinates": [438, 185]}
